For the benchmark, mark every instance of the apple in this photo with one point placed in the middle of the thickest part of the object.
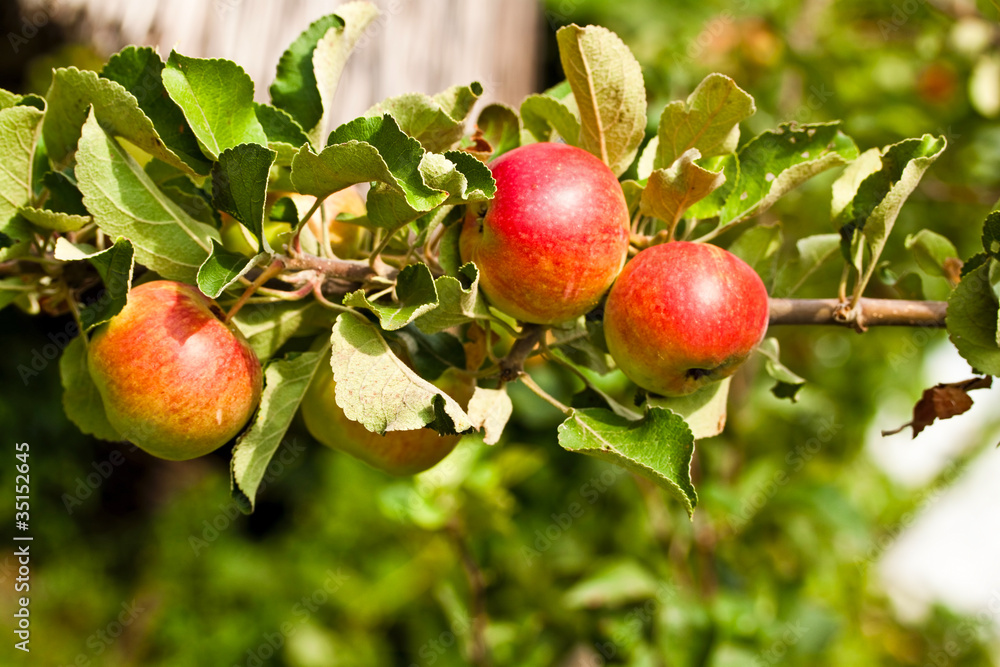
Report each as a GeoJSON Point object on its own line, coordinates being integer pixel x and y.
{"type": "Point", "coordinates": [396, 452]}
{"type": "Point", "coordinates": [237, 238]}
{"type": "Point", "coordinates": [174, 379]}
{"type": "Point", "coordinates": [682, 315]}
{"type": "Point", "coordinates": [553, 238]}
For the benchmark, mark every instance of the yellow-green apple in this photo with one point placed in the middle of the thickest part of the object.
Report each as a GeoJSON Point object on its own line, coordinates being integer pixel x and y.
{"type": "Point", "coordinates": [237, 238]}
{"type": "Point", "coordinates": [396, 452]}
{"type": "Point", "coordinates": [682, 315]}
{"type": "Point", "coordinates": [174, 379]}
{"type": "Point", "coordinates": [554, 236]}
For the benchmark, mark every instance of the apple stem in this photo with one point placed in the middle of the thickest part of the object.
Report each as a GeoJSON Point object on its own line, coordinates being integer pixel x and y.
{"type": "Point", "coordinates": [268, 273]}
{"type": "Point", "coordinates": [530, 383]}
{"type": "Point", "coordinates": [865, 313]}
{"type": "Point", "coordinates": [512, 366]}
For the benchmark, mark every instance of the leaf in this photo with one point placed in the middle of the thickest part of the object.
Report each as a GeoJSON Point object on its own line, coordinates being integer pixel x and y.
{"type": "Point", "coordinates": [460, 174]}
{"type": "Point", "coordinates": [54, 220]}
{"type": "Point", "coordinates": [704, 411]}
{"type": "Point", "coordinates": [489, 410]}
{"type": "Point", "coordinates": [658, 447]}
{"type": "Point", "coordinates": [216, 97]}
{"type": "Point", "coordinates": [501, 127]}
{"type": "Point", "coordinates": [708, 121]}
{"type": "Point", "coordinates": [378, 390]}
{"type": "Point", "coordinates": [934, 253]}
{"type": "Point", "coordinates": [869, 216]}
{"type": "Point", "coordinates": [285, 383]}
{"type": "Point", "coordinates": [222, 268]}
{"type": "Point", "coordinates": [117, 111]}
{"type": "Point", "coordinates": [19, 133]}
{"type": "Point", "coordinates": [309, 70]}
{"type": "Point", "coordinates": [758, 247]}
{"type": "Point", "coordinates": [991, 235]}
{"type": "Point", "coordinates": [607, 85]}
{"type": "Point", "coordinates": [8, 99]}
{"type": "Point", "coordinates": [81, 400]}
{"type": "Point", "coordinates": [64, 196]}
{"type": "Point", "coordinates": [268, 326]}
{"type": "Point", "coordinates": [125, 202]}
{"type": "Point", "coordinates": [670, 192]}
{"type": "Point", "coordinates": [812, 252]}
{"type": "Point", "coordinates": [239, 186]}
{"type": "Point", "coordinates": [547, 119]}
{"type": "Point", "coordinates": [431, 355]}
{"type": "Point", "coordinates": [943, 401]}
{"type": "Point", "coordinates": [787, 383]}
{"type": "Point", "coordinates": [581, 341]}
{"type": "Point", "coordinates": [415, 295]}
{"type": "Point", "coordinates": [284, 135]}
{"type": "Point", "coordinates": [458, 301]}
{"type": "Point", "coordinates": [972, 321]}
{"type": "Point", "coordinates": [139, 69]}
{"type": "Point", "coordinates": [438, 122]}
{"type": "Point", "coordinates": [777, 161]}
{"type": "Point", "coordinates": [115, 266]}
{"type": "Point", "coordinates": [621, 583]}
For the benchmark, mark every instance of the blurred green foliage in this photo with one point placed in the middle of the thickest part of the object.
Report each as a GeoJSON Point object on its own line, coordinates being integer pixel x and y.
{"type": "Point", "coordinates": [138, 561]}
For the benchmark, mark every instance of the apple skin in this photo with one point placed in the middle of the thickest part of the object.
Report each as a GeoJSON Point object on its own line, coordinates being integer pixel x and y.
{"type": "Point", "coordinates": [175, 380]}
{"type": "Point", "coordinates": [682, 315]}
{"type": "Point", "coordinates": [554, 237]}
{"type": "Point", "coordinates": [396, 452]}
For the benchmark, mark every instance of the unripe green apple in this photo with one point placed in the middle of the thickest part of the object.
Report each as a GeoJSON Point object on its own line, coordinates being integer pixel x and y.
{"type": "Point", "coordinates": [346, 238]}
{"type": "Point", "coordinates": [396, 452]}
{"type": "Point", "coordinates": [237, 238]}
{"type": "Point", "coordinates": [682, 315]}
{"type": "Point", "coordinates": [175, 380]}
{"type": "Point", "coordinates": [554, 236]}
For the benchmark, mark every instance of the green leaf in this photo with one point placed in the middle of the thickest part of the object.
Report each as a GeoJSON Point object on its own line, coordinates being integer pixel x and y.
{"type": "Point", "coordinates": [115, 266]}
{"type": "Point", "coordinates": [869, 216]}
{"type": "Point", "coordinates": [758, 247]}
{"type": "Point", "coordinates": [991, 235]}
{"type": "Point", "coordinates": [972, 320]}
{"type": "Point", "coordinates": [658, 447]}
{"type": "Point", "coordinates": [8, 99]}
{"type": "Point", "coordinates": [239, 186]}
{"type": "Point", "coordinates": [812, 252]}
{"type": "Point", "coordinates": [501, 127]}
{"type": "Point", "coordinates": [415, 295]}
{"type": "Point", "coordinates": [430, 354]}
{"type": "Point", "coordinates": [581, 341]}
{"type": "Point", "coordinates": [117, 111]}
{"type": "Point", "coordinates": [777, 161]}
{"type": "Point", "coordinates": [547, 119]}
{"type": "Point", "coordinates": [670, 192]}
{"type": "Point", "coordinates": [19, 133]}
{"type": "Point", "coordinates": [125, 202]}
{"type": "Point", "coordinates": [489, 410]}
{"type": "Point", "coordinates": [607, 85]}
{"type": "Point", "coordinates": [216, 97]}
{"type": "Point", "coordinates": [704, 411]}
{"type": "Point", "coordinates": [54, 220]}
{"type": "Point", "coordinates": [309, 70]}
{"type": "Point", "coordinates": [81, 400]}
{"type": "Point", "coordinates": [370, 149]}
{"type": "Point", "coordinates": [222, 268]}
{"type": "Point", "coordinates": [460, 174]}
{"type": "Point", "coordinates": [458, 301]}
{"type": "Point", "coordinates": [708, 120]}
{"type": "Point", "coordinates": [621, 583]}
{"type": "Point", "coordinates": [378, 390]}
{"type": "Point", "coordinates": [139, 70]}
{"type": "Point", "coordinates": [931, 250]}
{"type": "Point", "coordinates": [787, 383]}
{"type": "Point", "coordinates": [64, 196]}
{"type": "Point", "coordinates": [284, 135]}
{"type": "Point", "coordinates": [268, 326]}
{"type": "Point", "coordinates": [438, 122]}
{"type": "Point", "coordinates": [285, 383]}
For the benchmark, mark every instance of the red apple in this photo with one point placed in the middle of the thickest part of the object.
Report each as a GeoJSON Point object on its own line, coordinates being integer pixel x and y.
{"type": "Point", "coordinates": [682, 315]}
{"type": "Point", "coordinates": [175, 380]}
{"type": "Point", "coordinates": [396, 452]}
{"type": "Point", "coordinates": [553, 238]}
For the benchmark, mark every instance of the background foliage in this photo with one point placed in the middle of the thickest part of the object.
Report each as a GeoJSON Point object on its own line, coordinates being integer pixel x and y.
{"type": "Point", "coordinates": [575, 563]}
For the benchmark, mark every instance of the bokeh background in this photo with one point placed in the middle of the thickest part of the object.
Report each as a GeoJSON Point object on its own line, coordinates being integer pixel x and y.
{"type": "Point", "coordinates": [816, 540]}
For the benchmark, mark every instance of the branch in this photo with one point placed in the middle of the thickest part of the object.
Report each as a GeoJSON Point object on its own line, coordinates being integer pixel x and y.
{"type": "Point", "coordinates": [343, 269]}
{"type": "Point", "coordinates": [868, 313]}
{"type": "Point", "coordinates": [512, 366]}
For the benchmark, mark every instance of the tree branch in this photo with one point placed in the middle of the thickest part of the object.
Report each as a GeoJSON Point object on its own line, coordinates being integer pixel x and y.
{"type": "Point", "coordinates": [868, 313]}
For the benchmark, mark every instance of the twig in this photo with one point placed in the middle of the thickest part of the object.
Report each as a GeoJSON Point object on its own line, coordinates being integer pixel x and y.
{"type": "Point", "coordinates": [867, 313]}
{"type": "Point", "coordinates": [512, 366]}
{"type": "Point", "coordinates": [268, 273]}
{"type": "Point", "coordinates": [478, 651]}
